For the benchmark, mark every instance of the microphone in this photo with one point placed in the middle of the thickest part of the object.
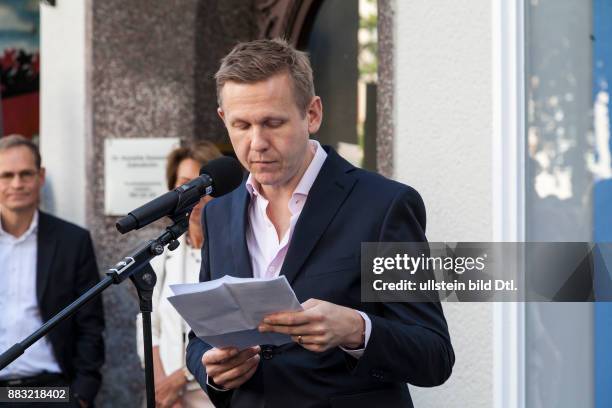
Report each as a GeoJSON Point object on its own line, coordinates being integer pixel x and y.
{"type": "Point", "coordinates": [218, 177]}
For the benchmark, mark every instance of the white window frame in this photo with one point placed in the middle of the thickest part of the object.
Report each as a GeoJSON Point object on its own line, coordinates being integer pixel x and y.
{"type": "Point", "coordinates": [508, 144]}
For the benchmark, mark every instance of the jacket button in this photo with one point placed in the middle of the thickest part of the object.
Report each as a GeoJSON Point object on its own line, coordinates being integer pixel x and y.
{"type": "Point", "coordinates": [267, 353]}
{"type": "Point", "coordinates": [377, 374]}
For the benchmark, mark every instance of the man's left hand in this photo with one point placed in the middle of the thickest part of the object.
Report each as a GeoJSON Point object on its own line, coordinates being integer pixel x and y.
{"type": "Point", "coordinates": [320, 326]}
{"type": "Point", "coordinates": [168, 390]}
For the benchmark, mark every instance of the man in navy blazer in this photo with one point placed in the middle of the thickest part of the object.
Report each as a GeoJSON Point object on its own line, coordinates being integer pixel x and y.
{"type": "Point", "coordinates": [303, 212]}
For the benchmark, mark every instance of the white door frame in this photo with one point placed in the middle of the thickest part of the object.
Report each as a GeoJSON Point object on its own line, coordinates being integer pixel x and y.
{"type": "Point", "coordinates": [508, 144]}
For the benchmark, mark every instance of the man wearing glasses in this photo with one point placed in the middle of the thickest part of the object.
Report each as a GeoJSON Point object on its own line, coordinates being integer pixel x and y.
{"type": "Point", "coordinates": [45, 264]}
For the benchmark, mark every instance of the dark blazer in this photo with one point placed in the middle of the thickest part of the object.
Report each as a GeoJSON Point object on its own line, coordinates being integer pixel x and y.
{"type": "Point", "coordinates": [409, 342]}
{"type": "Point", "coordinates": [66, 268]}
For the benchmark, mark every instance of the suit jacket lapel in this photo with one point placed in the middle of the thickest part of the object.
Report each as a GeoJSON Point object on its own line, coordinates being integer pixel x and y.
{"type": "Point", "coordinates": [330, 189]}
{"type": "Point", "coordinates": [238, 225]}
{"type": "Point", "coordinates": [45, 253]}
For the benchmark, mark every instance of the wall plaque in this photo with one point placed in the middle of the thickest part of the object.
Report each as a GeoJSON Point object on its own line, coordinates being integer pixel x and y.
{"type": "Point", "coordinates": [134, 171]}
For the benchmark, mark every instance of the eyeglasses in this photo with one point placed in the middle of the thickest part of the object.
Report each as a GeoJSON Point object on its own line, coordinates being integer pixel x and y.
{"type": "Point", "coordinates": [26, 176]}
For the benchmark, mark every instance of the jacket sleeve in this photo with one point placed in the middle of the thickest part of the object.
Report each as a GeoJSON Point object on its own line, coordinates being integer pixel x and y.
{"type": "Point", "coordinates": [409, 341]}
{"type": "Point", "coordinates": [197, 347]}
{"type": "Point", "coordinates": [88, 355]}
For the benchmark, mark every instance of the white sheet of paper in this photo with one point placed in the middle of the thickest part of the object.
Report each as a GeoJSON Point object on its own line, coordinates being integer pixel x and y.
{"type": "Point", "coordinates": [225, 312]}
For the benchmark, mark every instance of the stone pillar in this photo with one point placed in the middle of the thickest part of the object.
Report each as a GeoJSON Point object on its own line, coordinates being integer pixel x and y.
{"type": "Point", "coordinates": [149, 67]}
{"type": "Point", "coordinates": [384, 102]}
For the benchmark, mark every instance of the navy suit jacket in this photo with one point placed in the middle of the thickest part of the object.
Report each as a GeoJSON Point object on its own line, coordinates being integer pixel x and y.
{"type": "Point", "coordinates": [65, 269]}
{"type": "Point", "coordinates": [409, 342]}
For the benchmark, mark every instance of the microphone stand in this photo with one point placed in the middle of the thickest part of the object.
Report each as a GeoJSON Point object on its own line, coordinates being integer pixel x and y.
{"type": "Point", "coordinates": [134, 266]}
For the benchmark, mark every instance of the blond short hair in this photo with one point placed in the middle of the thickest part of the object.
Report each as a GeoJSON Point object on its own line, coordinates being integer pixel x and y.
{"type": "Point", "coordinates": [258, 60]}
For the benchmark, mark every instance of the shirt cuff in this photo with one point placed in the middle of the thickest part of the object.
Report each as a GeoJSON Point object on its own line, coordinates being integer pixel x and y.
{"type": "Point", "coordinates": [357, 353]}
{"type": "Point", "coordinates": [215, 387]}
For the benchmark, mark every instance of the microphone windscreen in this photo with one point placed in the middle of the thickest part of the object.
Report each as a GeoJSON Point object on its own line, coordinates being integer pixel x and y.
{"type": "Point", "coordinates": [226, 174]}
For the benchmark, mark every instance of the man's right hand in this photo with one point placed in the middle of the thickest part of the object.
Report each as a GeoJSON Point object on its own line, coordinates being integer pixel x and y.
{"type": "Point", "coordinates": [229, 368]}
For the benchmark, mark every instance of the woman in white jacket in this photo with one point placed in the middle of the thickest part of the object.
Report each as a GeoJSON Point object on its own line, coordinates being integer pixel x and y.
{"type": "Point", "coordinates": [174, 385]}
